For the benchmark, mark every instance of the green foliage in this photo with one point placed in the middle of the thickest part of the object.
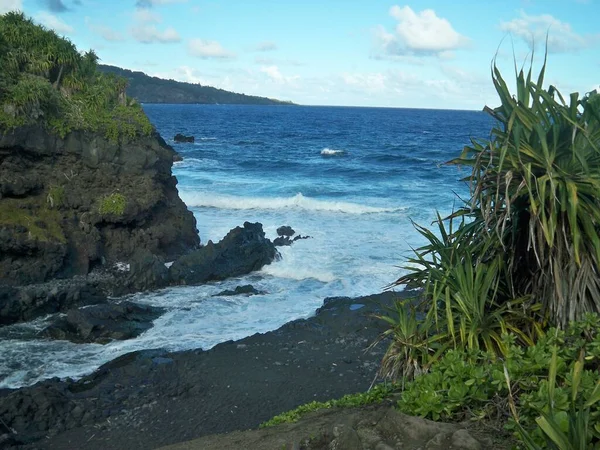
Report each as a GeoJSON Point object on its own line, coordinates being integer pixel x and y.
{"type": "Point", "coordinates": [573, 429]}
{"type": "Point", "coordinates": [413, 346]}
{"type": "Point", "coordinates": [113, 204]}
{"type": "Point", "coordinates": [524, 250]}
{"type": "Point", "coordinates": [472, 383]}
{"type": "Point", "coordinates": [44, 78]}
{"type": "Point", "coordinates": [42, 224]}
{"type": "Point", "coordinates": [534, 192]}
{"type": "Point", "coordinates": [464, 304]}
{"type": "Point", "coordinates": [376, 395]}
{"type": "Point", "coordinates": [55, 197]}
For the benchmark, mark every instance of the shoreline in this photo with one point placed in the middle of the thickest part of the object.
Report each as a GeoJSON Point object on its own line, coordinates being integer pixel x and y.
{"type": "Point", "coordinates": [153, 398]}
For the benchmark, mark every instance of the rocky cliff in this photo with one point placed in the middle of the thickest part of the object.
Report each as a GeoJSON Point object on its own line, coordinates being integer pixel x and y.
{"type": "Point", "coordinates": [68, 205]}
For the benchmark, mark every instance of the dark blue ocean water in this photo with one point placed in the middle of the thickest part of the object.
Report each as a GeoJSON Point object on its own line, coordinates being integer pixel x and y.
{"type": "Point", "coordinates": [351, 178]}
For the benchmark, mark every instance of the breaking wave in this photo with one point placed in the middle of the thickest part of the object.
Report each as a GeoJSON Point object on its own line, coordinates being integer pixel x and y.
{"type": "Point", "coordinates": [332, 152]}
{"type": "Point", "coordinates": [298, 201]}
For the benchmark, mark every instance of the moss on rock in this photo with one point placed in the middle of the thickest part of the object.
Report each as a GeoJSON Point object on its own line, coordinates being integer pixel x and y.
{"type": "Point", "coordinates": [42, 224]}
{"type": "Point", "coordinates": [113, 204]}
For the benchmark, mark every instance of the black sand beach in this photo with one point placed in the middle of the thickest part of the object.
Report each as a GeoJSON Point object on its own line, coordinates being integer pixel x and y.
{"type": "Point", "coordinates": [151, 399]}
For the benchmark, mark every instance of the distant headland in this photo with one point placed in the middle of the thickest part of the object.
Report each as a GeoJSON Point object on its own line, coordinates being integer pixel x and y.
{"type": "Point", "coordinates": [147, 89]}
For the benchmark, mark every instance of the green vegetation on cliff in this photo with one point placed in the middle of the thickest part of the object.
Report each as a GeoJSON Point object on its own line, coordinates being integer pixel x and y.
{"type": "Point", "coordinates": [44, 79]}
{"type": "Point", "coordinates": [148, 89]}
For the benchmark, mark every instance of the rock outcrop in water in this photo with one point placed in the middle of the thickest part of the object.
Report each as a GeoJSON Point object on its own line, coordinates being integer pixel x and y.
{"type": "Point", "coordinates": [284, 236]}
{"type": "Point", "coordinates": [182, 138]}
{"type": "Point", "coordinates": [242, 251]}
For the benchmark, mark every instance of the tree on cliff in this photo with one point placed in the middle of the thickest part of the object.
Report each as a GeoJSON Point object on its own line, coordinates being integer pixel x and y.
{"type": "Point", "coordinates": [45, 78]}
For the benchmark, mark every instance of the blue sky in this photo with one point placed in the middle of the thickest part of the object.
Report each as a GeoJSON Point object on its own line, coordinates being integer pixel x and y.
{"type": "Point", "coordinates": [431, 54]}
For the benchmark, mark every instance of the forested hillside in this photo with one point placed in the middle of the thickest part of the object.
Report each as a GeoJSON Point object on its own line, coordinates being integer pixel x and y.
{"type": "Point", "coordinates": [148, 89]}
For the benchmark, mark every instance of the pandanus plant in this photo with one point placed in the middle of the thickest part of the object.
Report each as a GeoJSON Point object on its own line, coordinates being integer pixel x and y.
{"type": "Point", "coordinates": [535, 186]}
{"type": "Point", "coordinates": [526, 250]}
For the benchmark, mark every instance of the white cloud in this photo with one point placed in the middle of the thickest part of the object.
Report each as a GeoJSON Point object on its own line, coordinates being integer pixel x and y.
{"type": "Point", "coordinates": [201, 48]}
{"type": "Point", "coordinates": [10, 5]}
{"type": "Point", "coordinates": [145, 15]}
{"type": "Point", "coordinates": [371, 82]}
{"type": "Point", "coordinates": [274, 74]}
{"type": "Point", "coordinates": [53, 22]}
{"type": "Point", "coordinates": [266, 46]}
{"type": "Point", "coordinates": [147, 34]}
{"type": "Point", "coordinates": [419, 33]}
{"type": "Point", "coordinates": [106, 32]}
{"type": "Point", "coordinates": [561, 37]}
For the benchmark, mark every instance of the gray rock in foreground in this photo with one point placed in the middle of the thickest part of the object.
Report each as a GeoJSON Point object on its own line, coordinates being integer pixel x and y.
{"type": "Point", "coordinates": [376, 427]}
{"type": "Point", "coordinates": [104, 323]}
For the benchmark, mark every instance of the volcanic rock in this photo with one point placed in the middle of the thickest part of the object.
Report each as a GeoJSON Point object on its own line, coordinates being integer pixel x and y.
{"type": "Point", "coordinates": [104, 323]}
{"type": "Point", "coordinates": [21, 303]}
{"type": "Point", "coordinates": [180, 138]}
{"type": "Point", "coordinates": [247, 289]}
{"type": "Point", "coordinates": [285, 230]}
{"type": "Point", "coordinates": [241, 251]}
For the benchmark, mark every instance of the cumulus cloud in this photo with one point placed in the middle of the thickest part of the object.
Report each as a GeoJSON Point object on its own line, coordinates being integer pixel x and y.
{"type": "Point", "coordinates": [53, 22]}
{"type": "Point", "coordinates": [561, 37]}
{"type": "Point", "coordinates": [105, 32]}
{"type": "Point", "coordinates": [204, 49]}
{"type": "Point", "coordinates": [10, 5]}
{"type": "Point", "coordinates": [274, 75]}
{"type": "Point", "coordinates": [266, 46]}
{"type": "Point", "coordinates": [418, 33]}
{"type": "Point", "coordinates": [151, 3]}
{"type": "Point", "coordinates": [146, 32]}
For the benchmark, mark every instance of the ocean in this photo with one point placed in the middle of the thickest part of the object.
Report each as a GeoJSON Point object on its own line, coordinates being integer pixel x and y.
{"type": "Point", "coordinates": [350, 178]}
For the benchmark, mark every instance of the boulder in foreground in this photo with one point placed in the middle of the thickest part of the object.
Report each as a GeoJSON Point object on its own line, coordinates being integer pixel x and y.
{"type": "Point", "coordinates": [370, 427]}
{"type": "Point", "coordinates": [104, 323]}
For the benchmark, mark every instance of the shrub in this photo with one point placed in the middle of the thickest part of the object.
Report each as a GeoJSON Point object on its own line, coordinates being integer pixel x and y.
{"type": "Point", "coordinates": [534, 192]}
{"type": "Point", "coordinates": [375, 395]}
{"type": "Point", "coordinates": [45, 79]}
{"type": "Point", "coordinates": [113, 204]}
{"type": "Point", "coordinates": [472, 383]}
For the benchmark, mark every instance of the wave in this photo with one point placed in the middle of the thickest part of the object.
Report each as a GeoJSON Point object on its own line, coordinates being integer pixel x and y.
{"type": "Point", "coordinates": [299, 274]}
{"type": "Point", "coordinates": [298, 201]}
{"type": "Point", "coordinates": [332, 152]}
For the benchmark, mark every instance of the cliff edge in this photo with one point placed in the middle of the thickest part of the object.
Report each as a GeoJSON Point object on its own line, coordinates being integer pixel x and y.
{"type": "Point", "coordinates": [70, 204]}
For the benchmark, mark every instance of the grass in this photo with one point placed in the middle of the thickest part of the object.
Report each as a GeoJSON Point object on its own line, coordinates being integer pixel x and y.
{"type": "Point", "coordinates": [376, 395]}
{"type": "Point", "coordinates": [42, 224]}
{"type": "Point", "coordinates": [113, 204]}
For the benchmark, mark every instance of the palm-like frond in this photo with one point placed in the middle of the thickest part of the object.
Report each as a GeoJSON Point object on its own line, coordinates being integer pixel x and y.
{"type": "Point", "coordinates": [536, 185]}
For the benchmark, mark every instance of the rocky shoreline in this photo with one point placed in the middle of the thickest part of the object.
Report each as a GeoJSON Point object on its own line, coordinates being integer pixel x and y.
{"type": "Point", "coordinates": [152, 398]}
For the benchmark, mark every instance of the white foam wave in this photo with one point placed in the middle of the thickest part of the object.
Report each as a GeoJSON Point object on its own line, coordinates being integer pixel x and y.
{"type": "Point", "coordinates": [298, 201]}
{"type": "Point", "coordinates": [298, 274]}
{"type": "Point", "coordinates": [332, 152]}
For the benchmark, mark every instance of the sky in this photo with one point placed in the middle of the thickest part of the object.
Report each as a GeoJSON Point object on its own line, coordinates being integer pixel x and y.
{"type": "Point", "coordinates": [414, 53]}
